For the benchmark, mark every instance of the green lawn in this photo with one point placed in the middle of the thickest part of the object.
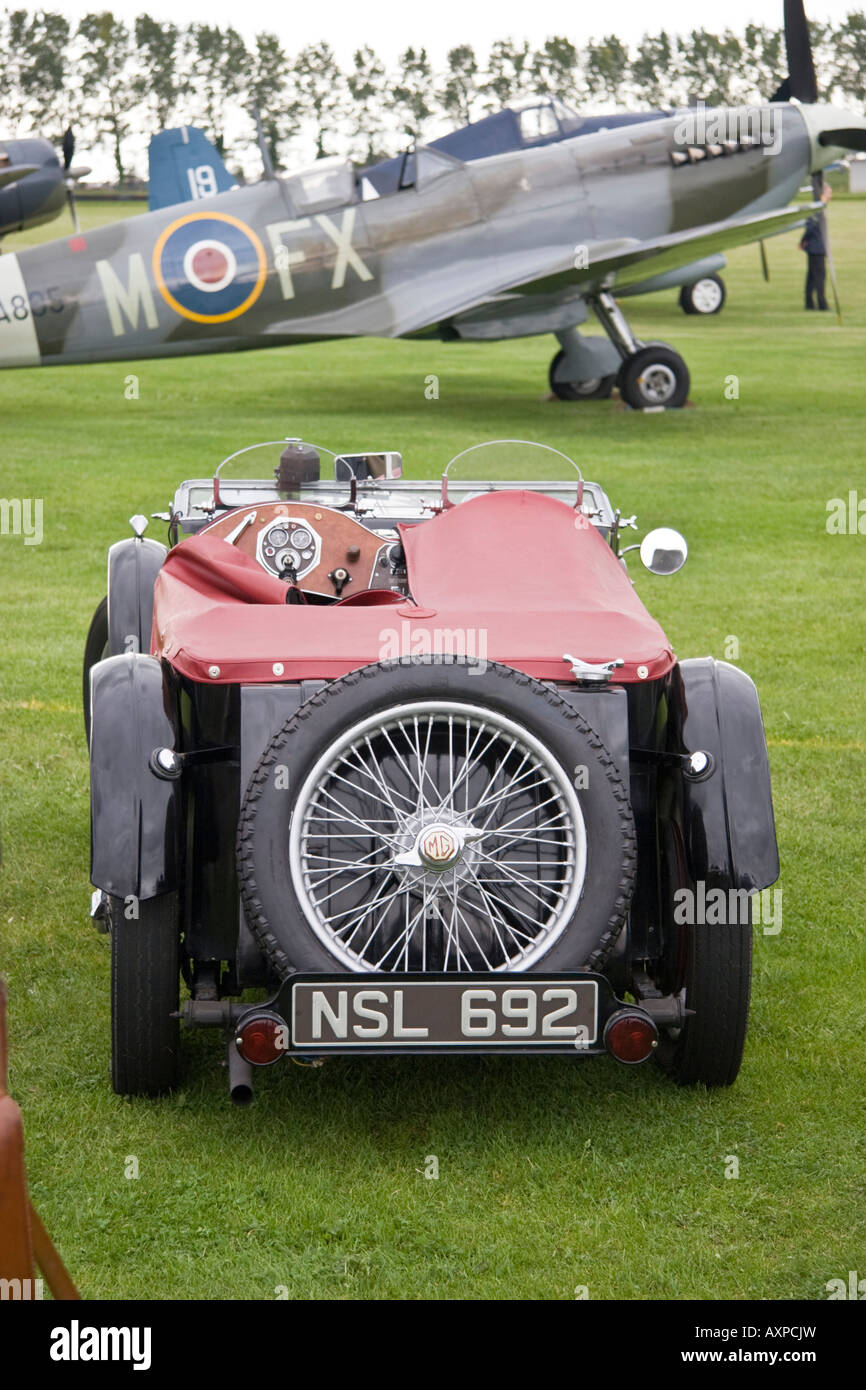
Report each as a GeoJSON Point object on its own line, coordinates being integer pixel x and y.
{"type": "Point", "coordinates": [552, 1174]}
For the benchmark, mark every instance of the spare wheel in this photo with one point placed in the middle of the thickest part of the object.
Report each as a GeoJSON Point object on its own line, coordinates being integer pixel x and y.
{"type": "Point", "coordinates": [425, 817]}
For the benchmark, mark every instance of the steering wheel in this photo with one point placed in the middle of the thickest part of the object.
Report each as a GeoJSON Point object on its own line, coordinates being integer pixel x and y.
{"type": "Point", "coordinates": [324, 551]}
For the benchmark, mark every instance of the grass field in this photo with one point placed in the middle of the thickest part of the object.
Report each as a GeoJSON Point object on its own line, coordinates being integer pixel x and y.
{"type": "Point", "coordinates": [552, 1174]}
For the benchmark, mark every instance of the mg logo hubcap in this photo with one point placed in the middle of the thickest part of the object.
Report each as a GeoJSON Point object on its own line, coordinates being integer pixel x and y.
{"type": "Point", "coordinates": [439, 847]}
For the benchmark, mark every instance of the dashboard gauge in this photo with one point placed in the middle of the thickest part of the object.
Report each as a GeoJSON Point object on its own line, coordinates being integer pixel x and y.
{"type": "Point", "coordinates": [287, 545]}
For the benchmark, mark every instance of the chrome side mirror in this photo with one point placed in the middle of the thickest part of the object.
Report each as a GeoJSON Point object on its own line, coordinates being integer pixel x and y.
{"type": "Point", "coordinates": [663, 551]}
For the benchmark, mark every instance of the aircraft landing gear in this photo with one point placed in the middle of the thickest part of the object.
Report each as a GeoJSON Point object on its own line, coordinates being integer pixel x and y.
{"type": "Point", "coordinates": [594, 388]}
{"type": "Point", "coordinates": [584, 369]}
{"type": "Point", "coordinates": [652, 374]}
{"type": "Point", "coordinates": [705, 296]}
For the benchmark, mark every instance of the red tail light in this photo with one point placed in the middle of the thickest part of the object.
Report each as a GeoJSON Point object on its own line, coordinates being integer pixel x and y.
{"type": "Point", "coordinates": [630, 1036]}
{"type": "Point", "coordinates": [262, 1039]}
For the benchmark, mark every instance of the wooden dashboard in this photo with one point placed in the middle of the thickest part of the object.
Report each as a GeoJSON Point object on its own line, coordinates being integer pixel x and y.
{"type": "Point", "coordinates": [331, 553]}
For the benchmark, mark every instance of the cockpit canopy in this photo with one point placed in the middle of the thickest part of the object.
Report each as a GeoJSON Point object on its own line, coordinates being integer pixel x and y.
{"type": "Point", "coordinates": [329, 183]}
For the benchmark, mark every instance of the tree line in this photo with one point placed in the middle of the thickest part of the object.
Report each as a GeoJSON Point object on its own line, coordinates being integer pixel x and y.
{"type": "Point", "coordinates": [114, 82]}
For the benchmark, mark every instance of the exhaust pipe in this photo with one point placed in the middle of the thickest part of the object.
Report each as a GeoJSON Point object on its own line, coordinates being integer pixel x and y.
{"type": "Point", "coordinates": [240, 1076]}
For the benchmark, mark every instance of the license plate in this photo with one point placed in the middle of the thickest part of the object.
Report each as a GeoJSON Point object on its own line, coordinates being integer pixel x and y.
{"type": "Point", "coordinates": [550, 1015]}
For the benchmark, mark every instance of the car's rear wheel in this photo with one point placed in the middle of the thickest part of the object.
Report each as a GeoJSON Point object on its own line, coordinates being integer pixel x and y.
{"type": "Point", "coordinates": [425, 817]}
{"type": "Point", "coordinates": [713, 962]}
{"type": "Point", "coordinates": [708, 1049]}
{"type": "Point", "coordinates": [145, 969]}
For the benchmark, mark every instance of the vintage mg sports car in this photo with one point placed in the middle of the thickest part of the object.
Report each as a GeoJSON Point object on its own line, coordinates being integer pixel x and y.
{"type": "Point", "coordinates": [409, 766]}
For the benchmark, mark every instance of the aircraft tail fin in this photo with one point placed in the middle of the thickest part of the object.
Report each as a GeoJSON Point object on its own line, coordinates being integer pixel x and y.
{"type": "Point", "coordinates": [184, 166]}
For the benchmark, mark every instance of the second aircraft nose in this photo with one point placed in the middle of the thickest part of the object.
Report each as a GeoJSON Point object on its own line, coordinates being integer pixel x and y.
{"type": "Point", "coordinates": [833, 132]}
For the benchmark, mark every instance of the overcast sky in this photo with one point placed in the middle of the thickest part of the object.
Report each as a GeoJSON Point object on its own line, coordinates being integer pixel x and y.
{"type": "Point", "coordinates": [440, 24]}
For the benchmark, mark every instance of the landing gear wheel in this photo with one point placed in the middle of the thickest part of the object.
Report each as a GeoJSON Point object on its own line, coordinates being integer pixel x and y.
{"type": "Point", "coordinates": [432, 824]}
{"type": "Point", "coordinates": [145, 1038]}
{"type": "Point", "coordinates": [705, 296]}
{"type": "Point", "coordinates": [95, 649]}
{"type": "Point", "coordinates": [655, 375]}
{"type": "Point", "coordinates": [595, 388]}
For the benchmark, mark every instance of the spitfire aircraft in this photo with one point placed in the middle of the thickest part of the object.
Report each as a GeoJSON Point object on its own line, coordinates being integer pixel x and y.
{"type": "Point", "coordinates": [519, 243]}
{"type": "Point", "coordinates": [183, 166]}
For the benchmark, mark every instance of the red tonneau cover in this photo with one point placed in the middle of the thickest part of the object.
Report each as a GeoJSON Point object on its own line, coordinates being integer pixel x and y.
{"type": "Point", "coordinates": [515, 577]}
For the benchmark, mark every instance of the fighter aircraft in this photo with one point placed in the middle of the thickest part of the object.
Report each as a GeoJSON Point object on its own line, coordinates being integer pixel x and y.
{"type": "Point", "coordinates": [528, 122]}
{"type": "Point", "coordinates": [520, 243]}
{"type": "Point", "coordinates": [183, 167]}
{"type": "Point", "coordinates": [34, 186]}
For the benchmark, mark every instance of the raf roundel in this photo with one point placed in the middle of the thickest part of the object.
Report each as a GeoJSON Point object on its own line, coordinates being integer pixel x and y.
{"type": "Point", "coordinates": [209, 267]}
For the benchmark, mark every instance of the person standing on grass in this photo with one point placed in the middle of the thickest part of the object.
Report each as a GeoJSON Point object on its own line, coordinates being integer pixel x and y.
{"type": "Point", "coordinates": [814, 243]}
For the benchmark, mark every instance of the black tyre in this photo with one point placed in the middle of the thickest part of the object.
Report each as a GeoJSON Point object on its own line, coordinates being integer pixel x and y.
{"type": "Point", "coordinates": [705, 296]}
{"type": "Point", "coordinates": [714, 963]}
{"type": "Point", "coordinates": [431, 822]}
{"type": "Point", "coordinates": [96, 648]}
{"type": "Point", "coordinates": [145, 968]}
{"type": "Point", "coordinates": [596, 388]}
{"type": "Point", "coordinates": [655, 375]}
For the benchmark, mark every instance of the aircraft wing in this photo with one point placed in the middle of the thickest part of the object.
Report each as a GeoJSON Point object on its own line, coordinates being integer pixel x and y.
{"type": "Point", "coordinates": [16, 172]}
{"type": "Point", "coordinates": [629, 261]}
{"type": "Point", "coordinates": [622, 262]}
{"type": "Point", "coordinates": [417, 298]}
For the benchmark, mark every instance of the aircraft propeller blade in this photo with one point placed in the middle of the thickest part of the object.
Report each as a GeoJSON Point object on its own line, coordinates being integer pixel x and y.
{"type": "Point", "coordinates": [70, 199]}
{"type": "Point", "coordinates": [801, 82]}
{"type": "Point", "coordinates": [802, 85]}
{"type": "Point", "coordinates": [70, 175]}
{"type": "Point", "coordinates": [798, 46]}
{"type": "Point", "coordinates": [848, 138]}
{"type": "Point", "coordinates": [68, 148]}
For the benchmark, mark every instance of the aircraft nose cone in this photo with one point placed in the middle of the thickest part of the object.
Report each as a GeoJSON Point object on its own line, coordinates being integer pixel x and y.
{"type": "Point", "coordinates": [834, 132]}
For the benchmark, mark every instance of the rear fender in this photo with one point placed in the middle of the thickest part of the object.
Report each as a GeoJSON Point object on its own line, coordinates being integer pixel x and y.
{"type": "Point", "coordinates": [133, 565]}
{"type": "Point", "coordinates": [728, 825]}
{"type": "Point", "coordinates": [134, 814]}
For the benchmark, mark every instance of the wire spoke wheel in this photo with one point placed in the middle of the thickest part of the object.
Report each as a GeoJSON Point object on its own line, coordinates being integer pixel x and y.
{"type": "Point", "coordinates": [437, 836]}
